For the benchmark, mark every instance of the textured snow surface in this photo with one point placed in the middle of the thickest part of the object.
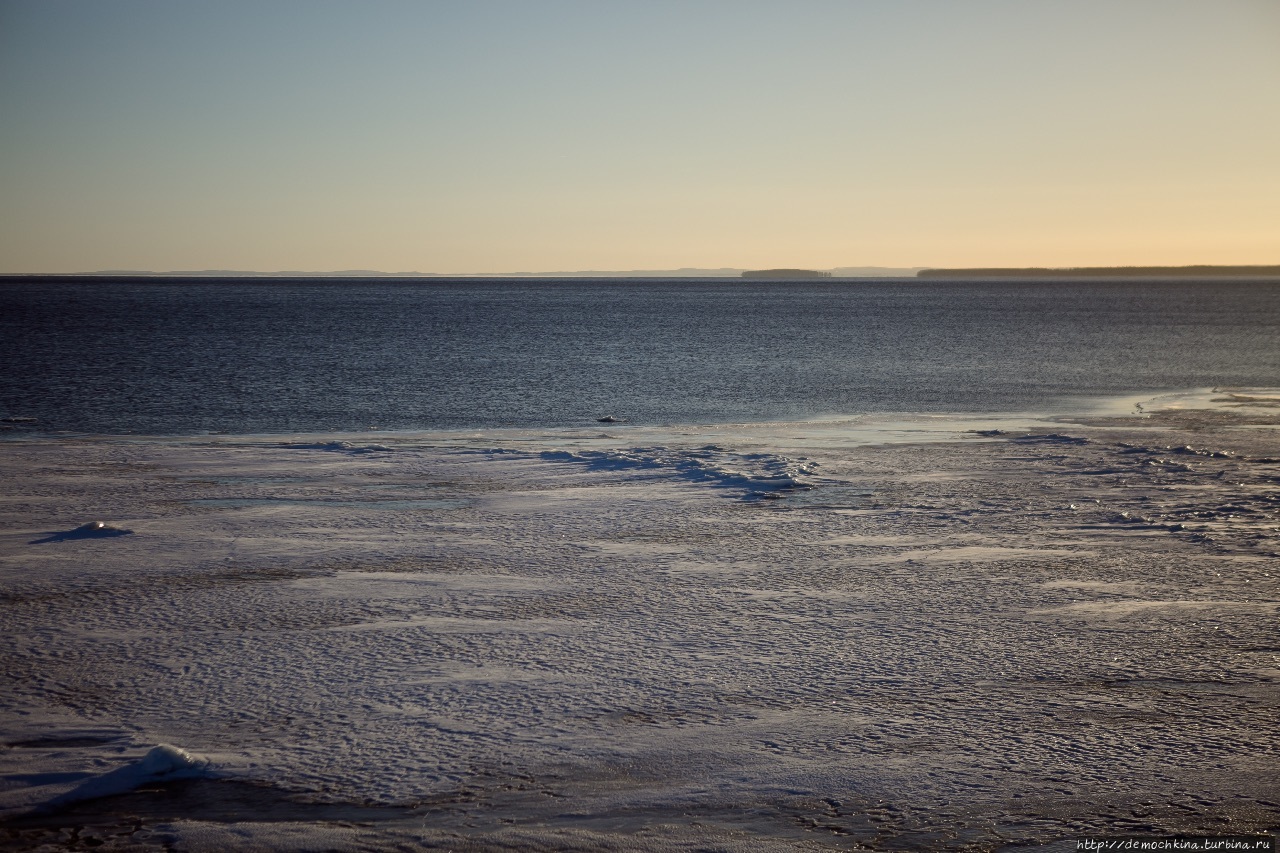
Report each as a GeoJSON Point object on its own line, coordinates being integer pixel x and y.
{"type": "Point", "coordinates": [587, 641]}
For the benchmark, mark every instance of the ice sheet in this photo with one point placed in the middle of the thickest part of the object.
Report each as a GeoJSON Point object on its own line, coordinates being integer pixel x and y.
{"type": "Point", "coordinates": [576, 638]}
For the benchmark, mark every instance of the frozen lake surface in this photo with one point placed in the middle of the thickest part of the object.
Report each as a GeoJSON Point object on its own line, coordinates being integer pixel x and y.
{"type": "Point", "coordinates": [900, 633]}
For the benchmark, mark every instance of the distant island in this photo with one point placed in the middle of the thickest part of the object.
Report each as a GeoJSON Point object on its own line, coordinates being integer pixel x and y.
{"type": "Point", "coordinates": [787, 274]}
{"type": "Point", "coordinates": [1200, 271]}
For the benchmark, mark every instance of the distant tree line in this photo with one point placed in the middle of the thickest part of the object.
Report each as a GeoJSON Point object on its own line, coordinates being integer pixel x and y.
{"type": "Point", "coordinates": [1201, 271]}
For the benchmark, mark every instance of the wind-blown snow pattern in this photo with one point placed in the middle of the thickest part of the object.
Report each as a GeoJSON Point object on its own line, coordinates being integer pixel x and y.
{"type": "Point", "coordinates": [571, 640]}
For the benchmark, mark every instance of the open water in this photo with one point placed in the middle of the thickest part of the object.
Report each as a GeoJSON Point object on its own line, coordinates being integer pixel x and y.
{"type": "Point", "coordinates": [251, 356]}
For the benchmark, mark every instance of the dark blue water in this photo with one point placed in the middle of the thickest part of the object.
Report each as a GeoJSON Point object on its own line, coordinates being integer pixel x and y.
{"type": "Point", "coordinates": [333, 355]}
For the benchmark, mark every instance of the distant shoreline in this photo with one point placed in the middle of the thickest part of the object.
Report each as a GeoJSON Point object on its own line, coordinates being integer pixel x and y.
{"type": "Point", "coordinates": [1197, 271]}
{"type": "Point", "coordinates": [1044, 274]}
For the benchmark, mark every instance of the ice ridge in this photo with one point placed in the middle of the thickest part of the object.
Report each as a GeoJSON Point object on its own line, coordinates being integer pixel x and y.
{"type": "Point", "coordinates": [340, 447]}
{"type": "Point", "coordinates": [759, 475]}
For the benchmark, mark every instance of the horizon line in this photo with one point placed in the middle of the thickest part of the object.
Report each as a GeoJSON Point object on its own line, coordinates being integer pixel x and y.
{"type": "Point", "coordinates": [864, 271]}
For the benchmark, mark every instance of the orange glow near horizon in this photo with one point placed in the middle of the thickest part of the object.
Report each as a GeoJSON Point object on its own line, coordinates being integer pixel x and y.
{"type": "Point", "coordinates": [575, 136]}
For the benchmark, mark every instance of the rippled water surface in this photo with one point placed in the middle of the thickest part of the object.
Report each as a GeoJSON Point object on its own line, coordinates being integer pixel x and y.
{"type": "Point", "coordinates": [247, 356]}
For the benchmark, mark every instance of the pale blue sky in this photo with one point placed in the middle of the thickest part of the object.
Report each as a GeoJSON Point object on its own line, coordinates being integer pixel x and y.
{"type": "Point", "coordinates": [496, 136]}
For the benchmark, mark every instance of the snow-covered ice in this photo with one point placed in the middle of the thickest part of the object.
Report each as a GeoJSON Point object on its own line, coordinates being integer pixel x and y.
{"type": "Point", "coordinates": [942, 633]}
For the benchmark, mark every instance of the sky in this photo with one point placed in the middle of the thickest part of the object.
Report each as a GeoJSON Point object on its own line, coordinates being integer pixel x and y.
{"type": "Point", "coordinates": [536, 135]}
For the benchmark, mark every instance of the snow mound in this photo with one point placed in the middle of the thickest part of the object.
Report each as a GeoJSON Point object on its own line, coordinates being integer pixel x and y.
{"type": "Point", "coordinates": [166, 759]}
{"type": "Point", "coordinates": [163, 763]}
{"type": "Point", "coordinates": [88, 530]}
{"type": "Point", "coordinates": [99, 528]}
